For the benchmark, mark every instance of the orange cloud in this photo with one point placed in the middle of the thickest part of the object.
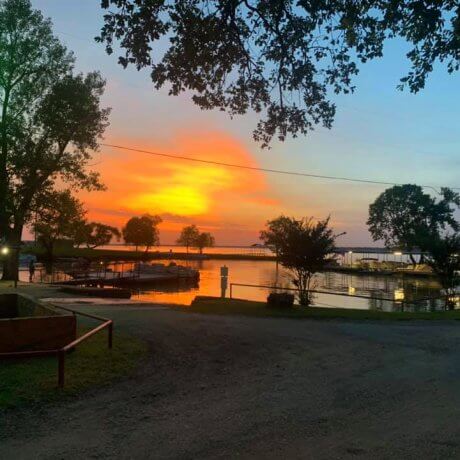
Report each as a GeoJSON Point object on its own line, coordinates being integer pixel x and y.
{"type": "Point", "coordinates": [182, 191]}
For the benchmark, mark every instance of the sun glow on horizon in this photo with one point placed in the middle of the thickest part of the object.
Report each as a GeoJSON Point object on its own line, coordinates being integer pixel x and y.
{"type": "Point", "coordinates": [178, 199]}
{"type": "Point", "coordinates": [225, 200]}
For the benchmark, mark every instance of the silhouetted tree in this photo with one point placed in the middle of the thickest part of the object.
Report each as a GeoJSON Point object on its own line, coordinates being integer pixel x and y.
{"type": "Point", "coordinates": [203, 240]}
{"type": "Point", "coordinates": [304, 248]}
{"type": "Point", "coordinates": [280, 58]}
{"type": "Point", "coordinates": [57, 219]}
{"type": "Point", "coordinates": [94, 234]}
{"type": "Point", "coordinates": [142, 231]}
{"type": "Point", "coordinates": [406, 217]}
{"type": "Point", "coordinates": [444, 259]}
{"type": "Point", "coordinates": [272, 236]}
{"type": "Point", "coordinates": [50, 119]}
{"type": "Point", "coordinates": [188, 236]}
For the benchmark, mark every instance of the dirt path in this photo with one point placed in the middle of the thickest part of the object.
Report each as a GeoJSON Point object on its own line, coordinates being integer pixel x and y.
{"type": "Point", "coordinates": [222, 387]}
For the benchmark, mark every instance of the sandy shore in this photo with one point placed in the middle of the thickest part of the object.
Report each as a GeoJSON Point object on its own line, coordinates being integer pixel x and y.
{"type": "Point", "coordinates": [226, 387]}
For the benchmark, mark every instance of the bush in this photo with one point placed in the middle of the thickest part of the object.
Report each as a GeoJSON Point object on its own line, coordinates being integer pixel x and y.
{"type": "Point", "coordinates": [280, 300]}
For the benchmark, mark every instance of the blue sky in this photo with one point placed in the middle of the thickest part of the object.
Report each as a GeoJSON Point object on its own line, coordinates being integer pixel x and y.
{"type": "Point", "coordinates": [379, 133]}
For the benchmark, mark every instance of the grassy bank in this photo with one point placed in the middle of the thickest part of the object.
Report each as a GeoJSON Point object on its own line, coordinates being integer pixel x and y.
{"type": "Point", "coordinates": [92, 364]}
{"type": "Point", "coordinates": [217, 306]}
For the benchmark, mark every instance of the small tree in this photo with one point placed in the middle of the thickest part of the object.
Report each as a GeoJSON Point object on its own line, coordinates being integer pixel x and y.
{"type": "Point", "coordinates": [204, 240]}
{"type": "Point", "coordinates": [444, 259]}
{"type": "Point", "coordinates": [405, 217]}
{"type": "Point", "coordinates": [142, 231]}
{"type": "Point", "coordinates": [94, 234]}
{"type": "Point", "coordinates": [188, 236]}
{"type": "Point", "coordinates": [304, 248]}
{"type": "Point", "coordinates": [273, 235]}
{"type": "Point", "coordinates": [58, 219]}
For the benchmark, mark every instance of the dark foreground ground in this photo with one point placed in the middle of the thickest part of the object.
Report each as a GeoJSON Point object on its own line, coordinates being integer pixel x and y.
{"type": "Point", "coordinates": [228, 387]}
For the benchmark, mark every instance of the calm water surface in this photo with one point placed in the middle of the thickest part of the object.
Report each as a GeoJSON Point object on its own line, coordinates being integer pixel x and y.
{"type": "Point", "coordinates": [387, 288]}
{"type": "Point", "coordinates": [387, 292]}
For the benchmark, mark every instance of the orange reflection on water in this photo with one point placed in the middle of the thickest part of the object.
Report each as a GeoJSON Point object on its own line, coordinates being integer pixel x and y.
{"type": "Point", "coordinates": [264, 273]}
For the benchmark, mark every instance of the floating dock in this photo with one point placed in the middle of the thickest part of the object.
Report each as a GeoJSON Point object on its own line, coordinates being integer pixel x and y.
{"type": "Point", "coordinates": [141, 274]}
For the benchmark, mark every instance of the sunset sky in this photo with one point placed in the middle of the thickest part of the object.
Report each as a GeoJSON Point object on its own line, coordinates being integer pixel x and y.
{"type": "Point", "coordinates": [380, 133]}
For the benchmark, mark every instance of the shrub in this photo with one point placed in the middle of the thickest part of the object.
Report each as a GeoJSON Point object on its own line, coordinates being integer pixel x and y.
{"type": "Point", "coordinates": [280, 300]}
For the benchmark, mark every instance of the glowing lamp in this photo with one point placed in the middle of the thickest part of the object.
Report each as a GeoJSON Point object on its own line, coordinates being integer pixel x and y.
{"type": "Point", "coordinates": [399, 294]}
{"type": "Point", "coordinates": [5, 250]}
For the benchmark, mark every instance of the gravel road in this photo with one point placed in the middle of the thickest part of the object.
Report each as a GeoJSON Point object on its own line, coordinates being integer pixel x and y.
{"type": "Point", "coordinates": [227, 387]}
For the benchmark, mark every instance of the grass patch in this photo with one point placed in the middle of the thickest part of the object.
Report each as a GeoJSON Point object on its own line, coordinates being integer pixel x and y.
{"type": "Point", "coordinates": [217, 306]}
{"type": "Point", "coordinates": [91, 364]}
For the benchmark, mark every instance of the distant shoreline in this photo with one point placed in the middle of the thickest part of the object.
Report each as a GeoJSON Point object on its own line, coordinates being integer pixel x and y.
{"type": "Point", "coordinates": [113, 255]}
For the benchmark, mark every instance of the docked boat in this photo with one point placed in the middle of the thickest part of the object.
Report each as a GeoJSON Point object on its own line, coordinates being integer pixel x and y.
{"type": "Point", "coordinates": [146, 270]}
{"type": "Point", "coordinates": [141, 273]}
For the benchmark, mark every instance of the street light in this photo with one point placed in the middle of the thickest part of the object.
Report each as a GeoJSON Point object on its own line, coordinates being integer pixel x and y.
{"type": "Point", "coordinates": [351, 258]}
{"type": "Point", "coordinates": [5, 250]}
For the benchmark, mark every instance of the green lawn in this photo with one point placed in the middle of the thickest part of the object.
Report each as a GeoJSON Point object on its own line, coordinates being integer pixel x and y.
{"type": "Point", "coordinates": [92, 364]}
{"type": "Point", "coordinates": [217, 306]}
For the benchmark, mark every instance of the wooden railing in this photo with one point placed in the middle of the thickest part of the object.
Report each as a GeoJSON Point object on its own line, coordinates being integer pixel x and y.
{"type": "Point", "coordinates": [62, 352]}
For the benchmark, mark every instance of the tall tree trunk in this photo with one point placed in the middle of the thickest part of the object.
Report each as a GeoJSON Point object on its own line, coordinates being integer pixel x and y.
{"type": "Point", "coordinates": [11, 266]}
{"type": "Point", "coordinates": [11, 263]}
{"type": "Point", "coordinates": [4, 220]}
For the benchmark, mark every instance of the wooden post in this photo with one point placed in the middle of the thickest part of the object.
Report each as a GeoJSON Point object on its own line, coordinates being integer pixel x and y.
{"type": "Point", "coordinates": [61, 368]}
{"type": "Point", "coordinates": [110, 335]}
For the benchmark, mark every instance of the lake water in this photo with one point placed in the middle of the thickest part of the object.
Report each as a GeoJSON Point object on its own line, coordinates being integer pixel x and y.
{"type": "Point", "coordinates": [388, 289]}
{"type": "Point", "coordinates": [383, 292]}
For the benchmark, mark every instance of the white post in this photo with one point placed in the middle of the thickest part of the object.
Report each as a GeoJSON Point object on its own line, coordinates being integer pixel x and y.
{"type": "Point", "coordinates": [223, 280]}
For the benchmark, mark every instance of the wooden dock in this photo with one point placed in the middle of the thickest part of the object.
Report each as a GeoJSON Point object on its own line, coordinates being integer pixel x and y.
{"type": "Point", "coordinates": [130, 278]}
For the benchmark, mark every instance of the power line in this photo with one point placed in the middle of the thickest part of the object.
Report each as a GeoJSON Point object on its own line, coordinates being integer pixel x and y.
{"type": "Point", "coordinates": [316, 176]}
{"type": "Point", "coordinates": [275, 171]}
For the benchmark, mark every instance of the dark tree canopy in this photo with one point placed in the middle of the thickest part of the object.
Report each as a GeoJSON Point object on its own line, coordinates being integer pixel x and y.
{"type": "Point", "coordinates": [142, 231]}
{"type": "Point", "coordinates": [94, 234]}
{"type": "Point", "coordinates": [406, 217]}
{"type": "Point", "coordinates": [188, 236]}
{"type": "Point", "coordinates": [444, 259]}
{"type": "Point", "coordinates": [274, 233]}
{"type": "Point", "coordinates": [204, 240]}
{"type": "Point", "coordinates": [58, 219]}
{"type": "Point", "coordinates": [282, 58]}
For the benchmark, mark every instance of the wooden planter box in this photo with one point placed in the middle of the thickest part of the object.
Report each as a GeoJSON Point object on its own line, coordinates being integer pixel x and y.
{"type": "Point", "coordinates": [27, 324]}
